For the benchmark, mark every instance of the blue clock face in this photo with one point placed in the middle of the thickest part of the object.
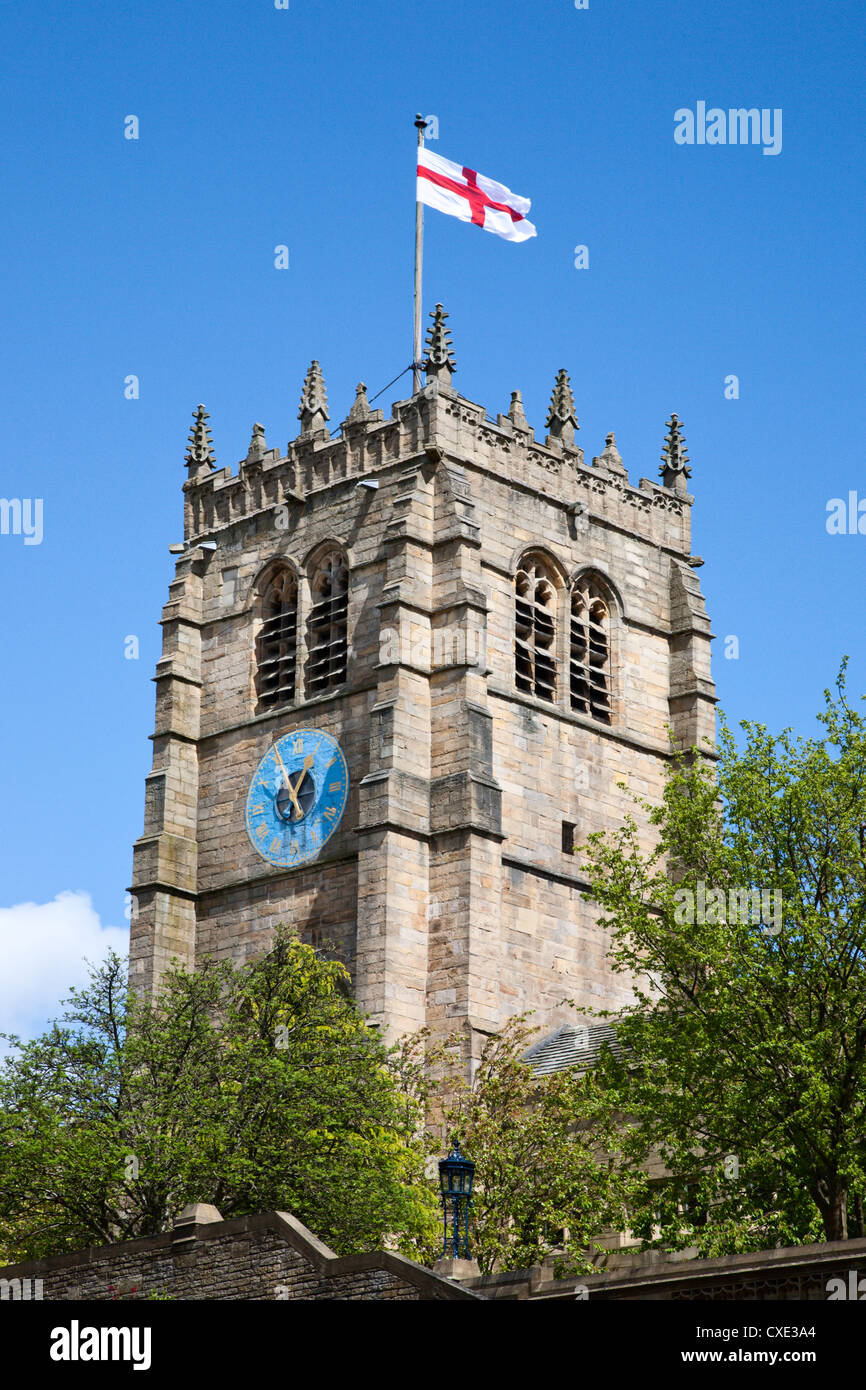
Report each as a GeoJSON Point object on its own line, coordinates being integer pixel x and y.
{"type": "Point", "coordinates": [297, 797]}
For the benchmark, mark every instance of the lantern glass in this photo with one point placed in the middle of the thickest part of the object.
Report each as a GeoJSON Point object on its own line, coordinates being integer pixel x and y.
{"type": "Point", "coordinates": [456, 1173]}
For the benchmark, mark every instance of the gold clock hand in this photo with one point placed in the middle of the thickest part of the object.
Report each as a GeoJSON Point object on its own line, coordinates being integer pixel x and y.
{"type": "Point", "coordinates": [288, 781]}
{"type": "Point", "coordinates": [282, 764]}
{"type": "Point", "coordinates": [308, 763]}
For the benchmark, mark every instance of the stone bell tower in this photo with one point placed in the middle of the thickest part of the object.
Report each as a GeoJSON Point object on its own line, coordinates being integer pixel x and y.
{"type": "Point", "coordinates": [494, 631]}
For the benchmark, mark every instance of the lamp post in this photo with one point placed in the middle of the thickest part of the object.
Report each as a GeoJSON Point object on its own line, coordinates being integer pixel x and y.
{"type": "Point", "coordinates": [456, 1173]}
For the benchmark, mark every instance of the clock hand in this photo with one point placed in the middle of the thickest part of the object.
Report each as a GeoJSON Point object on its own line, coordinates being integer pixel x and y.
{"type": "Point", "coordinates": [288, 781]}
{"type": "Point", "coordinates": [308, 763]}
{"type": "Point", "coordinates": [282, 764]}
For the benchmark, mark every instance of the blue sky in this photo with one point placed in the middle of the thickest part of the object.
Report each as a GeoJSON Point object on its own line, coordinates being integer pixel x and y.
{"type": "Point", "coordinates": [261, 127]}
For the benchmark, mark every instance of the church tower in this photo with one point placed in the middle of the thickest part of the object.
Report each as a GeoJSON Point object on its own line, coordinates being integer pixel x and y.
{"type": "Point", "coordinates": [484, 632]}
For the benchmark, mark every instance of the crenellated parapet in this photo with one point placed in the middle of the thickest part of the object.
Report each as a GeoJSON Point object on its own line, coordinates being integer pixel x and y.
{"type": "Point", "coordinates": [439, 422]}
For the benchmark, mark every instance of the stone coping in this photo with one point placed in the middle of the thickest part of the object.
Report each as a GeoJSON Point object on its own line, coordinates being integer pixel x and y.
{"type": "Point", "coordinates": [679, 1273]}
{"type": "Point", "coordinates": [325, 1262]}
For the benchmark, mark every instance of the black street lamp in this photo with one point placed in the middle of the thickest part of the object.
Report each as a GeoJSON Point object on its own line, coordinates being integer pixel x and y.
{"type": "Point", "coordinates": [455, 1181]}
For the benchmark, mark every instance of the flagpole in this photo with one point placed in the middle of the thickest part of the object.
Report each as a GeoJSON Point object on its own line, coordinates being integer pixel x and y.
{"type": "Point", "coordinates": [420, 126]}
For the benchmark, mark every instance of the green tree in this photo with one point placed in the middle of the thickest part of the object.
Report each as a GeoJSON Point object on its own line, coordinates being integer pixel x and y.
{"type": "Point", "coordinates": [255, 1088]}
{"type": "Point", "coordinates": [746, 1046]}
{"type": "Point", "coordinates": [546, 1150]}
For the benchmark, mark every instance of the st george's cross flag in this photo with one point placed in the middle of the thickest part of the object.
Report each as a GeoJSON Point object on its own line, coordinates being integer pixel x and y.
{"type": "Point", "coordinates": [470, 196]}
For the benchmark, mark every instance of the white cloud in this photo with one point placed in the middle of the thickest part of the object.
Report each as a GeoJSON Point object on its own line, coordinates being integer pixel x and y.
{"type": "Point", "coordinates": [42, 953]}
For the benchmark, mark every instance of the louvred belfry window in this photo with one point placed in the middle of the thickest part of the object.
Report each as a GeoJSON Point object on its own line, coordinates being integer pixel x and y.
{"type": "Point", "coordinates": [535, 632]}
{"type": "Point", "coordinates": [278, 641]}
{"type": "Point", "coordinates": [327, 630]}
{"type": "Point", "coordinates": [590, 652]}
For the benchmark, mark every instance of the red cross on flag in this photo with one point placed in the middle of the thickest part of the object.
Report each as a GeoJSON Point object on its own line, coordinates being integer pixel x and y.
{"type": "Point", "coordinates": [470, 196]}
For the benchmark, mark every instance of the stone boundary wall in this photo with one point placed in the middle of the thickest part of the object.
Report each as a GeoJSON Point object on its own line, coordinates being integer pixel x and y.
{"type": "Point", "coordinates": [796, 1272]}
{"type": "Point", "coordinates": [264, 1257]}
{"type": "Point", "coordinates": [273, 1257]}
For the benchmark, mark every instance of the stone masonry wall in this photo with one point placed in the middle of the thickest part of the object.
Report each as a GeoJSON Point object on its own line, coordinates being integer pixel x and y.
{"type": "Point", "coordinates": [249, 1259]}
{"type": "Point", "coordinates": [829, 1271]}
{"type": "Point", "coordinates": [446, 888]}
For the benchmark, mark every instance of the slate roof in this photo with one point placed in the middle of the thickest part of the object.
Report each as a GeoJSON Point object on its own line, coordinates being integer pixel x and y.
{"type": "Point", "coordinates": [572, 1045]}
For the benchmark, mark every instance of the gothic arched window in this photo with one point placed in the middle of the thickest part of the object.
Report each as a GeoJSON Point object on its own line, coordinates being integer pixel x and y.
{"type": "Point", "coordinates": [590, 650]}
{"type": "Point", "coordinates": [327, 641]}
{"type": "Point", "coordinates": [535, 630]}
{"type": "Point", "coordinates": [278, 641]}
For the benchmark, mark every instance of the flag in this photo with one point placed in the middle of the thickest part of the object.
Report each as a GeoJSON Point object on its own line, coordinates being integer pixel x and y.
{"type": "Point", "coordinates": [473, 198]}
